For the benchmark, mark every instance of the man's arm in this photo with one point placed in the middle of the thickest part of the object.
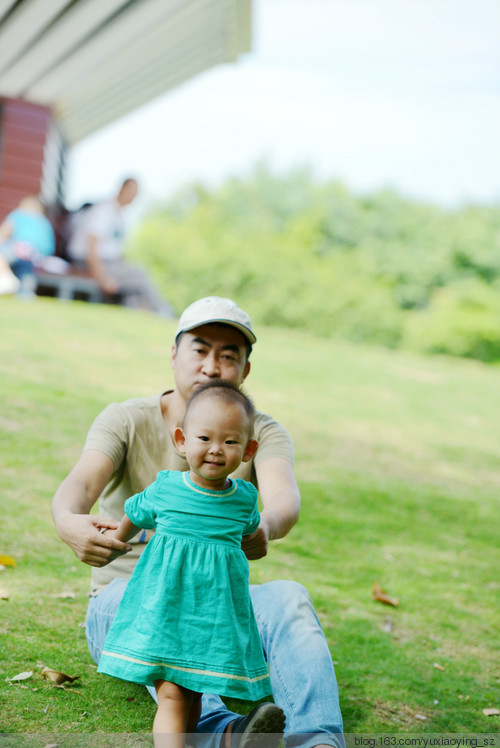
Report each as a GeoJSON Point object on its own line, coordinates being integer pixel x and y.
{"type": "Point", "coordinates": [97, 268]}
{"type": "Point", "coordinates": [72, 503]}
{"type": "Point", "coordinates": [281, 503]}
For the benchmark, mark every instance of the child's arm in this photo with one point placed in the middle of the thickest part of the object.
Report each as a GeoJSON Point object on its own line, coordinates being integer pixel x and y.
{"type": "Point", "coordinates": [126, 529]}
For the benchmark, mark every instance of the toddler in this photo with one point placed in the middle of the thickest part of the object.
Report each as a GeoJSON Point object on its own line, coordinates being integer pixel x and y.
{"type": "Point", "coordinates": [186, 622]}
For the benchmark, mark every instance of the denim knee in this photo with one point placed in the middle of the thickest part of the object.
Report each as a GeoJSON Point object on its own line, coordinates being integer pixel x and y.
{"type": "Point", "coordinates": [100, 613]}
{"type": "Point", "coordinates": [281, 598]}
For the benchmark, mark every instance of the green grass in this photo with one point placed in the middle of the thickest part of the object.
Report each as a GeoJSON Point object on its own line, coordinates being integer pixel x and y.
{"type": "Point", "coordinates": [398, 463]}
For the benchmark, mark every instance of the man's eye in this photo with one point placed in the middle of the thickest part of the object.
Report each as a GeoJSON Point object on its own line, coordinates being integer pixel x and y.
{"type": "Point", "coordinates": [228, 357]}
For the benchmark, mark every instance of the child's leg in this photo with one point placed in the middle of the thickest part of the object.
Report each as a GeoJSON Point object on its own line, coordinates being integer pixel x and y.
{"type": "Point", "coordinates": [178, 712]}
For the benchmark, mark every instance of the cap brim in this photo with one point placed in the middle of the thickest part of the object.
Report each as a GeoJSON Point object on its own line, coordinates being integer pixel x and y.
{"type": "Point", "coordinates": [244, 330]}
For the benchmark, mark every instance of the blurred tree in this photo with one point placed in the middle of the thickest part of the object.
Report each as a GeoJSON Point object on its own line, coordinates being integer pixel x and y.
{"type": "Point", "coordinates": [298, 253]}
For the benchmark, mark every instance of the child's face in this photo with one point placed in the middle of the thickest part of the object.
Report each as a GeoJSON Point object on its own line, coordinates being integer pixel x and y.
{"type": "Point", "coordinates": [215, 440]}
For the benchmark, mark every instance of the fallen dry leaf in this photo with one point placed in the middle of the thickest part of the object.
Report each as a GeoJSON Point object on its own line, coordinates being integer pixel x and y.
{"type": "Point", "coordinates": [7, 561]}
{"type": "Point", "coordinates": [421, 717]}
{"type": "Point", "coordinates": [64, 595]}
{"type": "Point", "coordinates": [22, 676]}
{"type": "Point", "coordinates": [381, 596]}
{"type": "Point", "coordinates": [4, 595]}
{"type": "Point", "coordinates": [57, 677]}
{"type": "Point", "coordinates": [491, 712]}
{"type": "Point", "coordinates": [438, 666]}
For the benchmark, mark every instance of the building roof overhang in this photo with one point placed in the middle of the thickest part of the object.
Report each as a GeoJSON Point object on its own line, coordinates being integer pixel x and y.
{"type": "Point", "coordinates": [93, 61]}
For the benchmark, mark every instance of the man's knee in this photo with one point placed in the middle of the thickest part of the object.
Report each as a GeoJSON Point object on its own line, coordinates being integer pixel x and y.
{"type": "Point", "coordinates": [281, 593]}
{"type": "Point", "coordinates": [100, 614]}
{"type": "Point", "coordinates": [281, 603]}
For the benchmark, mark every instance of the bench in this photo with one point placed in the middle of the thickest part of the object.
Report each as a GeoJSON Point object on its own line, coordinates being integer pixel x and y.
{"type": "Point", "coordinates": [70, 286]}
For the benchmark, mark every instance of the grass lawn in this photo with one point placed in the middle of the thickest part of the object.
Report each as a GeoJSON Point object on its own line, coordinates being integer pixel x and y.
{"type": "Point", "coordinates": [398, 461]}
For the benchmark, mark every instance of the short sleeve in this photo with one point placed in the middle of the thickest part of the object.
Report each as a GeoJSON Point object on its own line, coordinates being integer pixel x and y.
{"type": "Point", "coordinates": [94, 219]}
{"type": "Point", "coordinates": [254, 518]}
{"type": "Point", "coordinates": [274, 440]}
{"type": "Point", "coordinates": [110, 434]}
{"type": "Point", "coordinates": [47, 246]}
{"type": "Point", "coordinates": [140, 509]}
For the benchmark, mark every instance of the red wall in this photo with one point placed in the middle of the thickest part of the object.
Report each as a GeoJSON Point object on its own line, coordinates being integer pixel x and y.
{"type": "Point", "coordinates": [23, 132]}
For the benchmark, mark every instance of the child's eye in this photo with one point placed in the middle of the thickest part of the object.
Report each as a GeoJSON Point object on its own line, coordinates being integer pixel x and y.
{"type": "Point", "coordinates": [203, 438]}
{"type": "Point", "coordinates": [231, 441]}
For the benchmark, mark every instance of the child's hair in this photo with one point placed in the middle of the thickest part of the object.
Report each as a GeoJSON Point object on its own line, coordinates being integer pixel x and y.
{"type": "Point", "coordinates": [228, 393]}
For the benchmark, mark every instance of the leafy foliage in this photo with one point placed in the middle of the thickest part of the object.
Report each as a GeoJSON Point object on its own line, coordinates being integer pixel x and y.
{"type": "Point", "coordinates": [304, 255]}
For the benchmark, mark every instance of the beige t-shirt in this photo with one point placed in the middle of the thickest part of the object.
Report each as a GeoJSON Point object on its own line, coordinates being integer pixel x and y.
{"type": "Point", "coordinates": [134, 436]}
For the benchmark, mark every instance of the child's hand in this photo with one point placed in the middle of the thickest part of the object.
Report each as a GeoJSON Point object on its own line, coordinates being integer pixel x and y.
{"type": "Point", "coordinates": [255, 545]}
{"type": "Point", "coordinates": [116, 546]}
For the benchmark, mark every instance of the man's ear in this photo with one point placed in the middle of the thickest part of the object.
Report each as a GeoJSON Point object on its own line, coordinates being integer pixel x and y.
{"type": "Point", "coordinates": [246, 371]}
{"type": "Point", "coordinates": [172, 355]}
{"type": "Point", "coordinates": [250, 450]}
{"type": "Point", "coordinates": [180, 440]}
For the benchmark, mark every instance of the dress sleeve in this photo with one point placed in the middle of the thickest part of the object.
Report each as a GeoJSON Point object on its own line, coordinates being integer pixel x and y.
{"type": "Point", "coordinates": [254, 515]}
{"type": "Point", "coordinates": [140, 509]}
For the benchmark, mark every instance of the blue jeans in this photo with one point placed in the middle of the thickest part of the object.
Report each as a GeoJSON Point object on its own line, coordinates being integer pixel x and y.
{"type": "Point", "coordinates": [301, 669]}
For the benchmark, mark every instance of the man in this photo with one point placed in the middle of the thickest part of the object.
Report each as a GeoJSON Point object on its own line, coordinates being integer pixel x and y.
{"type": "Point", "coordinates": [97, 245]}
{"type": "Point", "coordinates": [126, 447]}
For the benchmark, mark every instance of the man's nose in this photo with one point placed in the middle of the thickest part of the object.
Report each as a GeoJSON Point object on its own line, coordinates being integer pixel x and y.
{"type": "Point", "coordinates": [211, 366]}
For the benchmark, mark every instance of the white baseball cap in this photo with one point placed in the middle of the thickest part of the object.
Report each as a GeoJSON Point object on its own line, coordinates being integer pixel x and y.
{"type": "Point", "coordinates": [216, 309]}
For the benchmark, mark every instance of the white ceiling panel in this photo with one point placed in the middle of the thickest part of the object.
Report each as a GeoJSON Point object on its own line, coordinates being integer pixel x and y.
{"type": "Point", "coordinates": [4, 7]}
{"type": "Point", "coordinates": [24, 25]}
{"type": "Point", "coordinates": [80, 21]}
{"type": "Point", "coordinates": [109, 40]}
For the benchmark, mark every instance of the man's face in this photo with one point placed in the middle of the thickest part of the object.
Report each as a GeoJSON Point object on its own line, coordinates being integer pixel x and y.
{"type": "Point", "coordinates": [128, 192]}
{"type": "Point", "coordinates": [213, 351]}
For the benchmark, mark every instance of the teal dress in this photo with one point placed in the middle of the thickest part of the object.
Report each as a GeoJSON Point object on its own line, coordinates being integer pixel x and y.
{"type": "Point", "coordinates": [186, 615]}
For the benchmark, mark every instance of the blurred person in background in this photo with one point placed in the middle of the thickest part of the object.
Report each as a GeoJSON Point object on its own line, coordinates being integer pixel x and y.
{"type": "Point", "coordinates": [96, 245]}
{"type": "Point", "coordinates": [26, 240]}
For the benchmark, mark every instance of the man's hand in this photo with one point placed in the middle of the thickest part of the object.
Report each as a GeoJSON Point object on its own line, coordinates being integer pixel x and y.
{"type": "Point", "coordinates": [109, 285]}
{"type": "Point", "coordinates": [82, 532]}
{"type": "Point", "coordinates": [71, 508]}
{"type": "Point", "coordinates": [255, 545]}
